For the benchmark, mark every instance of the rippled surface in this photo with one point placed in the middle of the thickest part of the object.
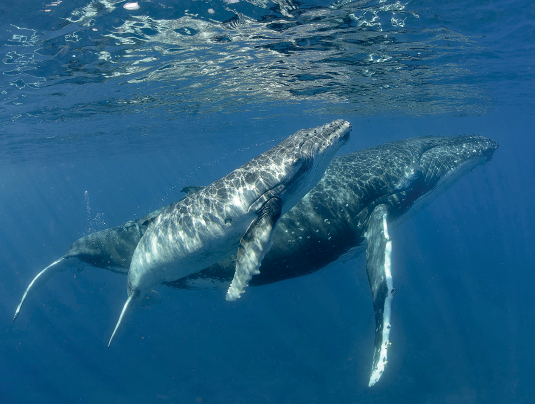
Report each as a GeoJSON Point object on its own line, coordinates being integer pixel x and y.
{"type": "Point", "coordinates": [364, 56]}
{"type": "Point", "coordinates": [63, 62]}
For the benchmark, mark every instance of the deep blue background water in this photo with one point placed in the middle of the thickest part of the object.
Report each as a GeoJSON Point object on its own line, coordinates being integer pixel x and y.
{"type": "Point", "coordinates": [97, 143]}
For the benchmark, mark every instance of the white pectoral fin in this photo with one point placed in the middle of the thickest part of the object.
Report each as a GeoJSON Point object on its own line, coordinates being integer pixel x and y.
{"type": "Point", "coordinates": [254, 244]}
{"type": "Point", "coordinates": [134, 302]}
{"type": "Point", "coordinates": [41, 278]}
{"type": "Point", "coordinates": [378, 255]}
{"type": "Point", "coordinates": [125, 308]}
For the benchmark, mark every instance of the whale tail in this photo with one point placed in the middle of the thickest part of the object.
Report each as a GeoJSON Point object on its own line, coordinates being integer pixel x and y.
{"type": "Point", "coordinates": [121, 317]}
{"type": "Point", "coordinates": [41, 278]}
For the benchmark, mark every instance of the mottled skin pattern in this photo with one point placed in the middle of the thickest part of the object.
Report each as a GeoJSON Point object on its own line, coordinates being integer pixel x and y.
{"type": "Point", "coordinates": [207, 226]}
{"type": "Point", "coordinates": [240, 210]}
{"type": "Point", "coordinates": [332, 218]}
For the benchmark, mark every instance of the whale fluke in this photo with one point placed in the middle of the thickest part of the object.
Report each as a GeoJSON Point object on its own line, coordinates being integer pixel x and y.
{"type": "Point", "coordinates": [120, 318]}
{"type": "Point", "coordinates": [39, 281]}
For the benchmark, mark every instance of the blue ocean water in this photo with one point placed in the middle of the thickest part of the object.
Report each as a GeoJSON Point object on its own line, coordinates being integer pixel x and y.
{"type": "Point", "coordinates": [107, 113]}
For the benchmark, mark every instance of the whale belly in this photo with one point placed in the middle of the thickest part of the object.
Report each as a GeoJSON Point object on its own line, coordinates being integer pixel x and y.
{"type": "Point", "coordinates": [171, 250]}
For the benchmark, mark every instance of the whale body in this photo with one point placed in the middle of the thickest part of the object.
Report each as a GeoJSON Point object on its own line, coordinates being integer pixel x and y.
{"type": "Point", "coordinates": [360, 197]}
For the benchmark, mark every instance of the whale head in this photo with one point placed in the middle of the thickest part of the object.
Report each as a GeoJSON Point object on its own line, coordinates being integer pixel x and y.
{"type": "Point", "coordinates": [299, 162]}
{"type": "Point", "coordinates": [430, 165]}
{"type": "Point", "coordinates": [454, 157]}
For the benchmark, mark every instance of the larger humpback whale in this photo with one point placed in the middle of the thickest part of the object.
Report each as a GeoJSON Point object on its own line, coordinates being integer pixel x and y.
{"type": "Point", "coordinates": [405, 175]}
{"type": "Point", "coordinates": [353, 206]}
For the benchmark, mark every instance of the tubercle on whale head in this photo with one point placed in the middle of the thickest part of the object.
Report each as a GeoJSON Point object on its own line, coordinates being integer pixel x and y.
{"type": "Point", "coordinates": [430, 166]}
{"type": "Point", "coordinates": [315, 141]}
{"type": "Point", "coordinates": [440, 162]}
{"type": "Point", "coordinates": [332, 136]}
{"type": "Point", "coordinates": [323, 142]}
{"type": "Point", "coordinates": [301, 160]}
{"type": "Point", "coordinates": [314, 150]}
{"type": "Point", "coordinates": [322, 138]}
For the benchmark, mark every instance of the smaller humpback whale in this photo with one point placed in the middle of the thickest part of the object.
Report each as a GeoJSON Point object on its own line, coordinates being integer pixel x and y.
{"type": "Point", "coordinates": [270, 185]}
{"type": "Point", "coordinates": [238, 212]}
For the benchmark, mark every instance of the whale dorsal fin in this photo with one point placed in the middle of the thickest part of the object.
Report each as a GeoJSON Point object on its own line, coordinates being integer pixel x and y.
{"type": "Point", "coordinates": [378, 254]}
{"type": "Point", "coordinates": [254, 244]}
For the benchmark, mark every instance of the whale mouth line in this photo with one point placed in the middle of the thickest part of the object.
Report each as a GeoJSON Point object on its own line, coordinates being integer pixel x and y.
{"type": "Point", "coordinates": [481, 150]}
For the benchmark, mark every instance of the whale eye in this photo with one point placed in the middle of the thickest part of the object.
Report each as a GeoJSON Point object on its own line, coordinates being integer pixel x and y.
{"type": "Point", "coordinates": [296, 162]}
{"type": "Point", "coordinates": [228, 221]}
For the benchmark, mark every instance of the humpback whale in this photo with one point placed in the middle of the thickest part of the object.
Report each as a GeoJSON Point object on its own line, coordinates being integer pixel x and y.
{"type": "Point", "coordinates": [397, 178]}
{"type": "Point", "coordinates": [360, 197]}
{"type": "Point", "coordinates": [238, 212]}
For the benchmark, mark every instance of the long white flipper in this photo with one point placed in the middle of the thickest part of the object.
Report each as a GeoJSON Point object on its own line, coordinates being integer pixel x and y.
{"type": "Point", "coordinates": [39, 281]}
{"type": "Point", "coordinates": [120, 318]}
{"type": "Point", "coordinates": [254, 244]}
{"type": "Point", "coordinates": [378, 257]}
